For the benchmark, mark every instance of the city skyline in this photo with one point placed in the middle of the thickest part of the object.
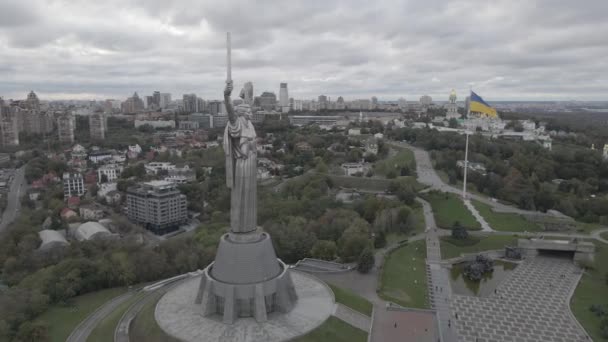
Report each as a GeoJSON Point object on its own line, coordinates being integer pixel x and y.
{"type": "Point", "coordinates": [506, 50]}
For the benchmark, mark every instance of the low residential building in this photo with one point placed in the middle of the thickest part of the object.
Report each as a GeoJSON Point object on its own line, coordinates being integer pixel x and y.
{"type": "Point", "coordinates": [73, 185]}
{"type": "Point", "coordinates": [109, 172]}
{"type": "Point", "coordinates": [78, 151]}
{"type": "Point", "coordinates": [473, 166]}
{"type": "Point", "coordinates": [181, 175]}
{"type": "Point", "coordinates": [352, 169]}
{"type": "Point", "coordinates": [157, 205]}
{"type": "Point", "coordinates": [154, 168]}
{"type": "Point", "coordinates": [354, 131]}
{"type": "Point", "coordinates": [91, 212]}
{"type": "Point", "coordinates": [100, 156]}
{"type": "Point", "coordinates": [134, 151]}
{"type": "Point", "coordinates": [67, 213]}
{"type": "Point", "coordinates": [155, 123]}
{"type": "Point", "coordinates": [91, 231]}
{"type": "Point", "coordinates": [52, 239]}
{"type": "Point", "coordinates": [113, 197]}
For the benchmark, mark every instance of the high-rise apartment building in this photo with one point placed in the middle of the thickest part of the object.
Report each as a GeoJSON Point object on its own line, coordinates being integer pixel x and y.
{"type": "Point", "coordinates": [323, 102]}
{"type": "Point", "coordinates": [426, 100]}
{"type": "Point", "coordinates": [214, 107]}
{"type": "Point", "coordinates": [97, 126]}
{"type": "Point", "coordinates": [247, 93]}
{"type": "Point", "coordinates": [65, 128]}
{"type": "Point", "coordinates": [9, 127]}
{"type": "Point", "coordinates": [73, 185]}
{"type": "Point", "coordinates": [157, 205]}
{"type": "Point", "coordinates": [133, 104]}
{"type": "Point", "coordinates": [189, 102]}
{"type": "Point", "coordinates": [156, 98]}
{"type": "Point", "coordinates": [268, 101]}
{"type": "Point", "coordinates": [284, 98]}
{"type": "Point", "coordinates": [165, 100]}
{"type": "Point", "coordinates": [32, 102]}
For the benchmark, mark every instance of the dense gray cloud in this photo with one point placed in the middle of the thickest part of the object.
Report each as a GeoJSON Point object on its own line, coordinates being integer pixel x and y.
{"type": "Point", "coordinates": [505, 49]}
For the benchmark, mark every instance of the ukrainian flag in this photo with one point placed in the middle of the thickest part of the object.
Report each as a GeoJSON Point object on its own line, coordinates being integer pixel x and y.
{"type": "Point", "coordinates": [478, 105]}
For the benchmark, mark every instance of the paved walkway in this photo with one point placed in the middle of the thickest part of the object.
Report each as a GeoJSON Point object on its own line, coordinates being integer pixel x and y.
{"type": "Point", "coordinates": [530, 305]}
{"type": "Point", "coordinates": [440, 292]}
{"type": "Point", "coordinates": [352, 317]}
{"type": "Point", "coordinates": [485, 227]}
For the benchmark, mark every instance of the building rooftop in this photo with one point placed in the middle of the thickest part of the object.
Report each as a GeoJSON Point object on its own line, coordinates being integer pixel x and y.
{"type": "Point", "coordinates": [90, 230]}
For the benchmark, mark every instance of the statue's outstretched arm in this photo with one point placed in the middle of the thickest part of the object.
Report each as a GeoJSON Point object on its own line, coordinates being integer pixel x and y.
{"type": "Point", "coordinates": [228, 102]}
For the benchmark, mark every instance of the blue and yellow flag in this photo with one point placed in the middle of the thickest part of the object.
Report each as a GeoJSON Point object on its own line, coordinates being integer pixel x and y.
{"type": "Point", "coordinates": [478, 105]}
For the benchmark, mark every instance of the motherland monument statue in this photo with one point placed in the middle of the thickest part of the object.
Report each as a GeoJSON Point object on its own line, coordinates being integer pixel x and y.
{"type": "Point", "coordinates": [246, 279]}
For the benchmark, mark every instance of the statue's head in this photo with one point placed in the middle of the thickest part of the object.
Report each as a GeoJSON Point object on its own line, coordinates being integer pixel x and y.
{"type": "Point", "coordinates": [244, 110]}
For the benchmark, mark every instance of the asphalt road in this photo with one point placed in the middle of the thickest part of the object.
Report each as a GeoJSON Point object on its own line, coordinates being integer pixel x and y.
{"type": "Point", "coordinates": [17, 189]}
{"type": "Point", "coordinates": [428, 176]}
{"type": "Point", "coordinates": [83, 330]}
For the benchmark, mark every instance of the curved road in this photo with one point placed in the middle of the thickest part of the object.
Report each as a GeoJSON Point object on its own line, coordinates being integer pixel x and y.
{"type": "Point", "coordinates": [83, 330]}
{"type": "Point", "coordinates": [13, 206]}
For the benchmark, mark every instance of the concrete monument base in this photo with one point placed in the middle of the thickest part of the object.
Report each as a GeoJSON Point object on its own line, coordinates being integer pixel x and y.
{"type": "Point", "coordinates": [178, 315]}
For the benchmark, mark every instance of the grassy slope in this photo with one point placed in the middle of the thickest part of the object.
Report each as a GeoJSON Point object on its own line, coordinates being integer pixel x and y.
{"type": "Point", "coordinates": [604, 235]}
{"type": "Point", "coordinates": [352, 300]}
{"type": "Point", "coordinates": [403, 158]}
{"type": "Point", "coordinates": [104, 331]}
{"type": "Point", "coordinates": [452, 249]}
{"type": "Point", "coordinates": [403, 278]}
{"type": "Point", "coordinates": [505, 221]}
{"type": "Point", "coordinates": [592, 289]}
{"type": "Point", "coordinates": [448, 208]}
{"type": "Point", "coordinates": [334, 330]}
{"type": "Point", "coordinates": [62, 319]}
{"type": "Point", "coordinates": [144, 326]}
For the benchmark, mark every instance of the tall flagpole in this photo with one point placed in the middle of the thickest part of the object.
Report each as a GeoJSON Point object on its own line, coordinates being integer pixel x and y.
{"type": "Point", "coordinates": [466, 149]}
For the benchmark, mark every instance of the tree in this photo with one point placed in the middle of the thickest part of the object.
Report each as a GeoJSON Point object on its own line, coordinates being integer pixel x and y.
{"type": "Point", "coordinates": [324, 250]}
{"type": "Point", "coordinates": [453, 123]}
{"type": "Point", "coordinates": [352, 243]}
{"type": "Point", "coordinates": [33, 332]}
{"type": "Point", "coordinates": [366, 261]}
{"type": "Point", "coordinates": [459, 232]}
{"type": "Point", "coordinates": [380, 239]}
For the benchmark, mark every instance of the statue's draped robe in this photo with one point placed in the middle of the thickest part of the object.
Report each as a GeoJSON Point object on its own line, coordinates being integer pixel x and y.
{"type": "Point", "coordinates": [241, 174]}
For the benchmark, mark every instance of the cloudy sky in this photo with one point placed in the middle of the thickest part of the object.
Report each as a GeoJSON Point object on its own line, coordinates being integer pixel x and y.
{"type": "Point", "coordinates": [505, 49]}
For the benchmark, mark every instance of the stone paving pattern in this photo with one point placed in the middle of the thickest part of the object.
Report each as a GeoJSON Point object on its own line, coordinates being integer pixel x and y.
{"type": "Point", "coordinates": [530, 305]}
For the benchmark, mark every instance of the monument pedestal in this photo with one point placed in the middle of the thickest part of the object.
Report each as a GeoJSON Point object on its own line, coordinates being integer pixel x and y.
{"type": "Point", "coordinates": [245, 280]}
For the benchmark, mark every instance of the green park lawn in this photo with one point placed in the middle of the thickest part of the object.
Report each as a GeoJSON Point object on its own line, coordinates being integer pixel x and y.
{"type": "Point", "coordinates": [604, 235]}
{"type": "Point", "coordinates": [352, 300]}
{"type": "Point", "coordinates": [403, 278]}
{"type": "Point", "coordinates": [507, 222]}
{"type": "Point", "coordinates": [62, 319]}
{"type": "Point", "coordinates": [144, 326]}
{"type": "Point", "coordinates": [403, 158]}
{"type": "Point", "coordinates": [451, 248]}
{"type": "Point", "coordinates": [104, 331]}
{"type": "Point", "coordinates": [334, 330]}
{"type": "Point", "coordinates": [592, 289]}
{"type": "Point", "coordinates": [449, 208]}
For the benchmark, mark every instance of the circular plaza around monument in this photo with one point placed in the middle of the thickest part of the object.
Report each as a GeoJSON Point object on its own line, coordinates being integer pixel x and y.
{"type": "Point", "coordinates": [178, 315]}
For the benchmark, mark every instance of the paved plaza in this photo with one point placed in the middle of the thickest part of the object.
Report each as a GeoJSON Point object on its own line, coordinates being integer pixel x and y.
{"type": "Point", "coordinates": [530, 305]}
{"type": "Point", "coordinates": [179, 317]}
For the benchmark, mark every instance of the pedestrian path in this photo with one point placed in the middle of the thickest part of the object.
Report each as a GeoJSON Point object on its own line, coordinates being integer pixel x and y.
{"type": "Point", "coordinates": [438, 281]}
{"type": "Point", "coordinates": [485, 227]}
{"type": "Point", "coordinates": [352, 317]}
